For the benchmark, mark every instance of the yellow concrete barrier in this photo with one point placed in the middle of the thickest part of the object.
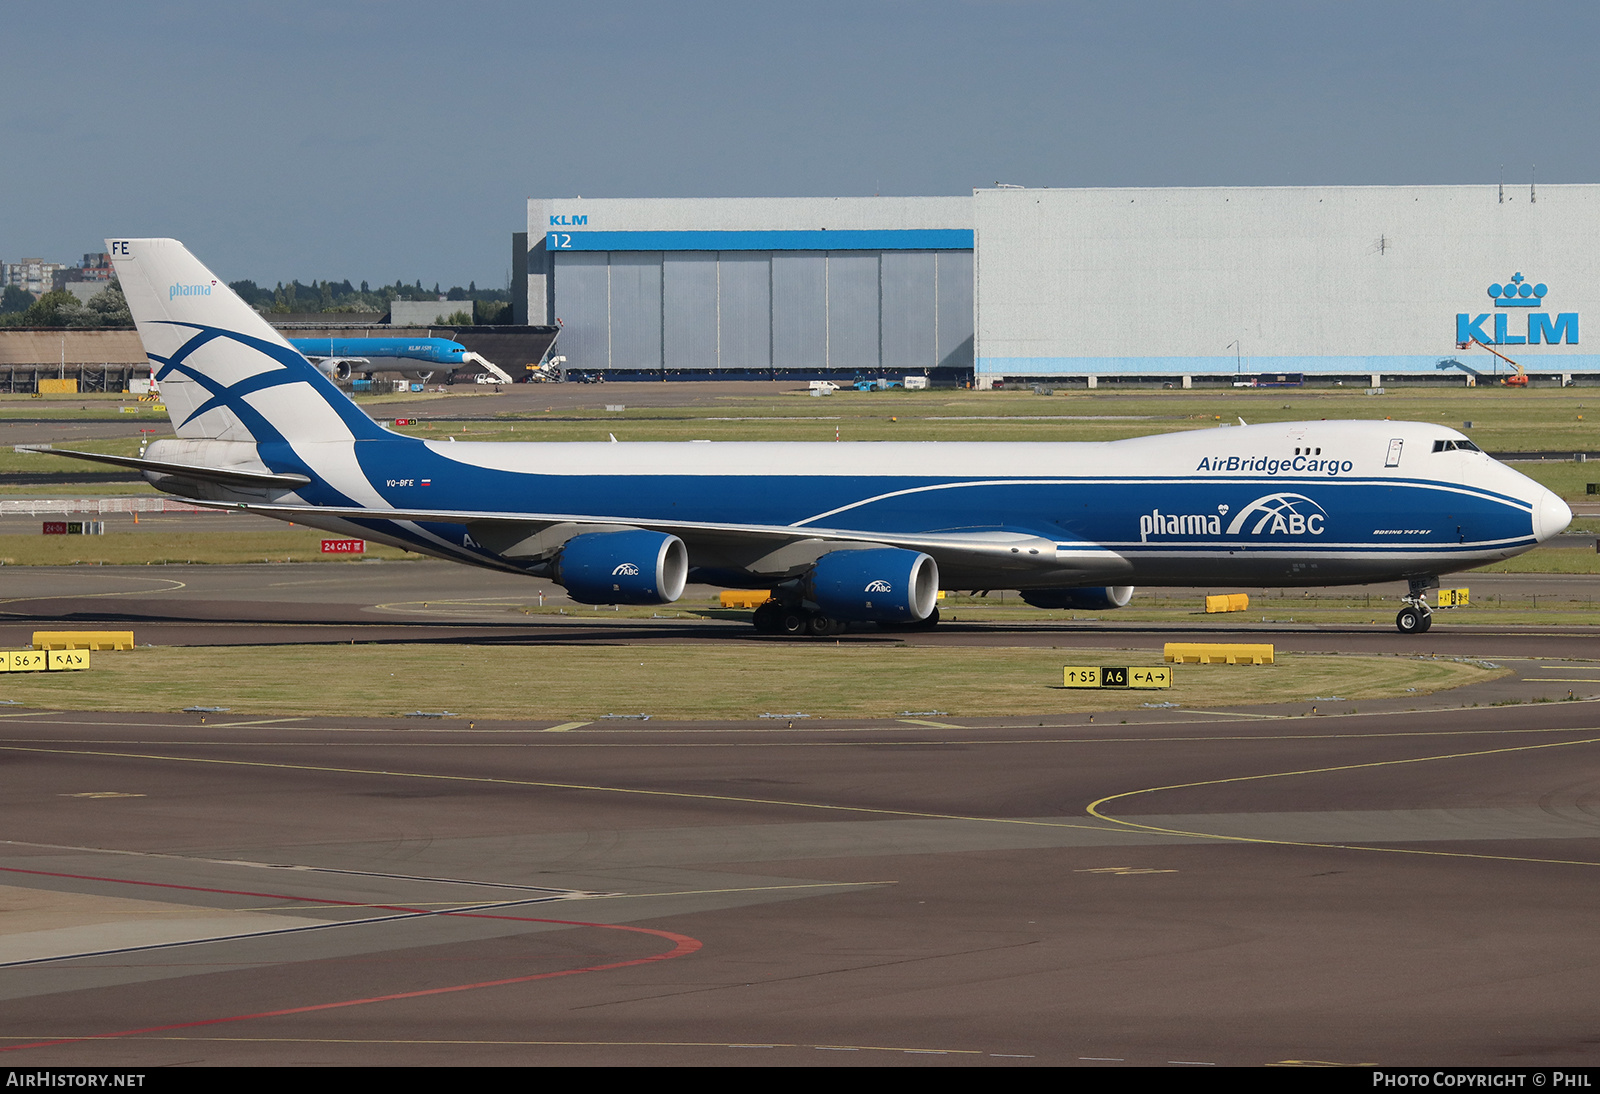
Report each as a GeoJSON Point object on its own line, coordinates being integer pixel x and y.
{"type": "Point", "coordinates": [1219, 653]}
{"type": "Point", "coordinates": [54, 386]}
{"type": "Point", "coordinates": [83, 640]}
{"type": "Point", "coordinates": [1116, 676]}
{"type": "Point", "coordinates": [745, 598]}
{"type": "Point", "coordinates": [1228, 602]}
{"type": "Point", "coordinates": [64, 660]}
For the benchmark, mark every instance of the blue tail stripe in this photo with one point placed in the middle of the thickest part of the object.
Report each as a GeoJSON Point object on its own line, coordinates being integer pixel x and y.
{"type": "Point", "coordinates": [297, 370]}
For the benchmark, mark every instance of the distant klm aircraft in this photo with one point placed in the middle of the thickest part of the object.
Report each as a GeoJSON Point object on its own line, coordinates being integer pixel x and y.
{"type": "Point", "coordinates": [841, 532]}
{"type": "Point", "coordinates": [418, 358]}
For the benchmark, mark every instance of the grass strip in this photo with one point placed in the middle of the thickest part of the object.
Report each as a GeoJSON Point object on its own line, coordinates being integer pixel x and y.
{"type": "Point", "coordinates": [737, 680]}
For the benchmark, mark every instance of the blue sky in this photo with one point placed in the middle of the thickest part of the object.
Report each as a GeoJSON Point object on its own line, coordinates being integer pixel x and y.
{"type": "Point", "coordinates": [401, 140]}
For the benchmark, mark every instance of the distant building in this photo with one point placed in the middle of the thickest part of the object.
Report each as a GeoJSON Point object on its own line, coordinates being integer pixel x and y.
{"type": "Point", "coordinates": [803, 287]}
{"type": "Point", "coordinates": [33, 275]}
{"type": "Point", "coordinates": [95, 269]}
{"type": "Point", "coordinates": [1195, 284]}
{"type": "Point", "coordinates": [85, 291]}
{"type": "Point", "coordinates": [425, 313]}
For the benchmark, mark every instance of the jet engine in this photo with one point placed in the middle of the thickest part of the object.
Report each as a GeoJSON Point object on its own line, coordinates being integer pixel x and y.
{"type": "Point", "coordinates": [1095, 600]}
{"type": "Point", "coordinates": [878, 584]}
{"type": "Point", "coordinates": [635, 567]}
{"type": "Point", "coordinates": [339, 368]}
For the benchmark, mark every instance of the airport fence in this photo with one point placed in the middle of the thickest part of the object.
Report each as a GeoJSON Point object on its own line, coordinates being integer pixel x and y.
{"type": "Point", "coordinates": [15, 507]}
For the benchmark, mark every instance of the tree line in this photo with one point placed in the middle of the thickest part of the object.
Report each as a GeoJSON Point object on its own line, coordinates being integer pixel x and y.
{"type": "Point", "coordinates": [105, 310]}
{"type": "Point", "coordinates": [108, 309]}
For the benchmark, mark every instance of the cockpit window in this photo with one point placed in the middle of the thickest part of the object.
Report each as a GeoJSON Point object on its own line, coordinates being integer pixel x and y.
{"type": "Point", "coordinates": [1455, 446]}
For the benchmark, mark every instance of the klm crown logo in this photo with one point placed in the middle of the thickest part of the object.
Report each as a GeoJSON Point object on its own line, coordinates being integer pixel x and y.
{"type": "Point", "coordinates": [1541, 327]}
{"type": "Point", "coordinates": [1517, 293]}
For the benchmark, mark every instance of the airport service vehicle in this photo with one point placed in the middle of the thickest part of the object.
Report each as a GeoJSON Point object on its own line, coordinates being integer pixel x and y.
{"type": "Point", "coordinates": [841, 532]}
{"type": "Point", "coordinates": [414, 358]}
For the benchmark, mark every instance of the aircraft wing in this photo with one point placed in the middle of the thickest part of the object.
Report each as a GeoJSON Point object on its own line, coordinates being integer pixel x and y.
{"type": "Point", "coordinates": [776, 549]}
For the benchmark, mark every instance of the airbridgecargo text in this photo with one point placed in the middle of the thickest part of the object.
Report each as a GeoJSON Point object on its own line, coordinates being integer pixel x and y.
{"type": "Point", "coordinates": [1270, 466]}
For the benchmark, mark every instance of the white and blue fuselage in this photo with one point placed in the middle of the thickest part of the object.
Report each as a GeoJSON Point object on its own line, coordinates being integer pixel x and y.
{"type": "Point", "coordinates": [1237, 506]}
{"type": "Point", "coordinates": [852, 531]}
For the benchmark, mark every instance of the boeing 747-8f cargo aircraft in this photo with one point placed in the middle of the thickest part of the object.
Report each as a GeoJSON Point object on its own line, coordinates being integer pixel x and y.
{"type": "Point", "coordinates": [842, 532]}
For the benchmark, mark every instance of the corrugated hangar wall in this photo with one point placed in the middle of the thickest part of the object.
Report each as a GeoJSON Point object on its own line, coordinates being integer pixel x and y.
{"type": "Point", "coordinates": [742, 284]}
{"type": "Point", "coordinates": [1340, 280]}
{"type": "Point", "coordinates": [892, 311]}
{"type": "Point", "coordinates": [1331, 280]}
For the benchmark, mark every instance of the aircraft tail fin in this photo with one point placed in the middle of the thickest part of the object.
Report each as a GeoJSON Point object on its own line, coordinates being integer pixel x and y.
{"type": "Point", "coordinates": [224, 372]}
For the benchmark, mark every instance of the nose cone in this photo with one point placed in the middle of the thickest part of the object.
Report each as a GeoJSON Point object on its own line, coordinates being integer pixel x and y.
{"type": "Point", "coordinates": [1551, 516]}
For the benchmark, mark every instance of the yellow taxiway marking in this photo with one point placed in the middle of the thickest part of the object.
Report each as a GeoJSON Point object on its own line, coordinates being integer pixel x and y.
{"type": "Point", "coordinates": [935, 725]}
{"type": "Point", "coordinates": [761, 735]}
{"type": "Point", "coordinates": [1560, 680]}
{"type": "Point", "coordinates": [1094, 808]}
{"type": "Point", "coordinates": [548, 1044]}
{"type": "Point", "coordinates": [739, 889]}
{"type": "Point", "coordinates": [490, 780]}
{"type": "Point", "coordinates": [258, 722]}
{"type": "Point", "coordinates": [173, 585]}
{"type": "Point", "coordinates": [100, 794]}
{"type": "Point", "coordinates": [564, 726]}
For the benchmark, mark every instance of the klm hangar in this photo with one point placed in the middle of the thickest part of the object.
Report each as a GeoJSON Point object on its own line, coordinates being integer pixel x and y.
{"type": "Point", "coordinates": [758, 288]}
{"type": "Point", "coordinates": [1373, 284]}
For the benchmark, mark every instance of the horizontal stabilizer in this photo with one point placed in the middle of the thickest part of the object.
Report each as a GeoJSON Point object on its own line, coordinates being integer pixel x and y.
{"type": "Point", "coordinates": [237, 476]}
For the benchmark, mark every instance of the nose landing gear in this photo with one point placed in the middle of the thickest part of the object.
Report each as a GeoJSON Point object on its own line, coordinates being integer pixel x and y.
{"type": "Point", "coordinates": [1416, 617]}
{"type": "Point", "coordinates": [1413, 619]}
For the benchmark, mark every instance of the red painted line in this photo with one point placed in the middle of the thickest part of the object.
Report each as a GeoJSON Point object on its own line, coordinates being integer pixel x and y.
{"type": "Point", "coordinates": [683, 945]}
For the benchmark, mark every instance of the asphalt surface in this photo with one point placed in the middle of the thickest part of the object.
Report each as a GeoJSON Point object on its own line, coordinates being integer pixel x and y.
{"type": "Point", "coordinates": [1413, 884]}
{"type": "Point", "coordinates": [1183, 890]}
{"type": "Point", "coordinates": [424, 601]}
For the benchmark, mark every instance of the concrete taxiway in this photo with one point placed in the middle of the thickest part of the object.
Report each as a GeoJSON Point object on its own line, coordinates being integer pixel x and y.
{"type": "Point", "coordinates": [1412, 884]}
{"type": "Point", "coordinates": [1410, 888]}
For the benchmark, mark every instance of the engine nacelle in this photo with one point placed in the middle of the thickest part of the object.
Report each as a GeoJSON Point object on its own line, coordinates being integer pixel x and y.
{"type": "Point", "coordinates": [623, 568]}
{"type": "Point", "coordinates": [1094, 600]}
{"type": "Point", "coordinates": [337, 368]}
{"type": "Point", "coordinates": [877, 584]}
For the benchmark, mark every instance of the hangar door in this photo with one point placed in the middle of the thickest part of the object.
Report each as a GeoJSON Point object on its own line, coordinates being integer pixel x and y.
{"type": "Point", "coordinates": [867, 311]}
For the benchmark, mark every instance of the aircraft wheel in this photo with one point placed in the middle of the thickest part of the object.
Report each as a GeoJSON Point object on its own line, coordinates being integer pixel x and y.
{"type": "Point", "coordinates": [820, 626]}
{"type": "Point", "coordinates": [791, 623]}
{"type": "Point", "coordinates": [767, 619]}
{"type": "Point", "coordinates": [1427, 621]}
{"type": "Point", "coordinates": [1410, 621]}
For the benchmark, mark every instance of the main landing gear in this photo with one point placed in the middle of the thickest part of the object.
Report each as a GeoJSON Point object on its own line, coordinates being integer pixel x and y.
{"type": "Point", "coordinates": [799, 621]}
{"type": "Point", "coordinates": [795, 621]}
{"type": "Point", "coordinates": [1416, 617]}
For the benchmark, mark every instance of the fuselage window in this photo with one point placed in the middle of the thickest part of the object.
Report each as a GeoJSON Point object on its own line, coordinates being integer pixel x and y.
{"type": "Point", "coordinates": [1455, 446]}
